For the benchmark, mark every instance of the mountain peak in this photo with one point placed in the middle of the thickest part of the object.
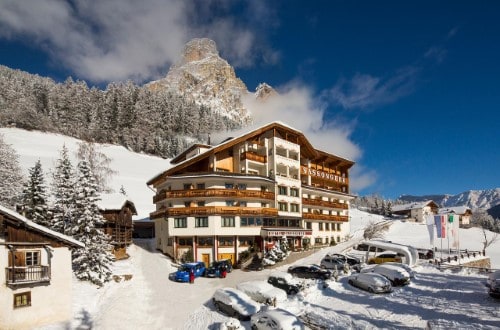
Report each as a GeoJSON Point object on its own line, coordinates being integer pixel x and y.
{"type": "Point", "coordinates": [199, 49]}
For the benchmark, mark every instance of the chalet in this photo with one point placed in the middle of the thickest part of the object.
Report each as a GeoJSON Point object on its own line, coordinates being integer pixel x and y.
{"type": "Point", "coordinates": [254, 190]}
{"type": "Point", "coordinates": [463, 212]}
{"type": "Point", "coordinates": [415, 211]}
{"type": "Point", "coordinates": [36, 286]}
{"type": "Point", "coordinates": [117, 210]}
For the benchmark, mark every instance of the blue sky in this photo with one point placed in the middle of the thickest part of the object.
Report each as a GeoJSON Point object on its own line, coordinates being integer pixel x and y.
{"type": "Point", "coordinates": [409, 90]}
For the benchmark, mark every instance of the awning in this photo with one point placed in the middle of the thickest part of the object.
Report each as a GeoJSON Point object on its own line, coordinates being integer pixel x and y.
{"type": "Point", "coordinates": [288, 232]}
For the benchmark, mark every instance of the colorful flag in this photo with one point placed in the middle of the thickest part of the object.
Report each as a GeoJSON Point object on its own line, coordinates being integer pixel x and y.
{"type": "Point", "coordinates": [440, 221]}
{"type": "Point", "coordinates": [443, 226]}
{"type": "Point", "coordinates": [430, 227]}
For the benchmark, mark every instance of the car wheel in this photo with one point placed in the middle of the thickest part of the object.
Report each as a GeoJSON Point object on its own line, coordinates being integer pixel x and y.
{"type": "Point", "coordinates": [292, 292]}
{"type": "Point", "coordinates": [350, 282]}
{"type": "Point", "coordinates": [254, 327]}
{"type": "Point", "coordinates": [370, 290]}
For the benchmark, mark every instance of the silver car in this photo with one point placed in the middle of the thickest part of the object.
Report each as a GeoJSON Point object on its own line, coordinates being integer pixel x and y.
{"type": "Point", "coordinates": [276, 319]}
{"type": "Point", "coordinates": [370, 282]}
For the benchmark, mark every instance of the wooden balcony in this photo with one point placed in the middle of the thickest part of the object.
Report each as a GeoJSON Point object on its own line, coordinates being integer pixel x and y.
{"type": "Point", "coordinates": [27, 275]}
{"type": "Point", "coordinates": [222, 193]}
{"type": "Point", "coordinates": [323, 203]}
{"type": "Point", "coordinates": [253, 156]}
{"type": "Point", "coordinates": [314, 216]}
{"type": "Point", "coordinates": [213, 210]}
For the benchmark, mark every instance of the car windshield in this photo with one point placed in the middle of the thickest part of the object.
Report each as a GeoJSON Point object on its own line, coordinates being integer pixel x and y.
{"type": "Point", "coordinates": [184, 268]}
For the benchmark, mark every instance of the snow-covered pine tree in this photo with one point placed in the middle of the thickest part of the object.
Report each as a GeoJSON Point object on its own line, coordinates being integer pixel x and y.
{"type": "Point", "coordinates": [11, 177]}
{"type": "Point", "coordinates": [93, 262]}
{"type": "Point", "coordinates": [34, 197]}
{"type": "Point", "coordinates": [63, 180]}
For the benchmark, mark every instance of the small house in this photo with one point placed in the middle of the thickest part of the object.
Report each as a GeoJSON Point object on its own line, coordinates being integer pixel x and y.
{"type": "Point", "coordinates": [36, 284]}
{"type": "Point", "coordinates": [416, 211]}
{"type": "Point", "coordinates": [463, 212]}
{"type": "Point", "coordinates": [117, 211]}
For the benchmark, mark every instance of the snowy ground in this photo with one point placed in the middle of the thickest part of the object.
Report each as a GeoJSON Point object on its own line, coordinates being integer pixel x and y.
{"type": "Point", "coordinates": [143, 297]}
{"type": "Point", "coordinates": [149, 300]}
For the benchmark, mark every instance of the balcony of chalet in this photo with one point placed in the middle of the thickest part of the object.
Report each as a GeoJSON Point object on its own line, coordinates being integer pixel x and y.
{"type": "Point", "coordinates": [251, 155]}
{"type": "Point", "coordinates": [319, 216]}
{"type": "Point", "coordinates": [221, 193]}
{"type": "Point", "coordinates": [27, 275]}
{"type": "Point", "coordinates": [213, 210]}
{"type": "Point", "coordinates": [323, 203]}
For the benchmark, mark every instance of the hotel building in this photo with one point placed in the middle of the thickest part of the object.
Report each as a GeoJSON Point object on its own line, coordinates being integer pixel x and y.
{"type": "Point", "coordinates": [252, 190]}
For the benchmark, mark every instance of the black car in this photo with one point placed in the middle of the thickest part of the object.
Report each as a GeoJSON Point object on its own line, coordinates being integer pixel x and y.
{"type": "Point", "coordinates": [352, 261]}
{"type": "Point", "coordinates": [215, 268]}
{"type": "Point", "coordinates": [284, 284]}
{"type": "Point", "coordinates": [311, 271]}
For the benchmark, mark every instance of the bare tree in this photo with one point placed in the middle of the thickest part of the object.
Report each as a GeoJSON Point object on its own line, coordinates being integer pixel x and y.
{"type": "Point", "coordinates": [374, 230]}
{"type": "Point", "coordinates": [98, 162]}
{"type": "Point", "coordinates": [489, 227]}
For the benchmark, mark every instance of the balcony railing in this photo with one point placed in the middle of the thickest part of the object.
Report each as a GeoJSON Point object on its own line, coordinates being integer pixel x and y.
{"type": "Point", "coordinates": [319, 202]}
{"type": "Point", "coordinates": [312, 216]}
{"type": "Point", "coordinates": [214, 210]}
{"type": "Point", "coordinates": [24, 275]}
{"type": "Point", "coordinates": [204, 193]}
{"type": "Point", "coordinates": [253, 156]}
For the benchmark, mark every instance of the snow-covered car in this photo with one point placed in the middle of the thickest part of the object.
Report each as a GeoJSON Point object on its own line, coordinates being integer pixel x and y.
{"type": "Point", "coordinates": [310, 271]}
{"type": "Point", "coordinates": [285, 282]}
{"type": "Point", "coordinates": [371, 282]}
{"type": "Point", "coordinates": [494, 290]}
{"type": "Point", "coordinates": [352, 261]}
{"type": "Point", "coordinates": [493, 278]}
{"type": "Point", "coordinates": [397, 275]}
{"type": "Point", "coordinates": [276, 319]}
{"type": "Point", "coordinates": [329, 262]}
{"type": "Point", "coordinates": [182, 274]}
{"type": "Point", "coordinates": [235, 303]}
{"type": "Point", "coordinates": [262, 292]}
{"type": "Point", "coordinates": [385, 257]}
{"type": "Point", "coordinates": [231, 324]}
{"type": "Point", "coordinates": [404, 266]}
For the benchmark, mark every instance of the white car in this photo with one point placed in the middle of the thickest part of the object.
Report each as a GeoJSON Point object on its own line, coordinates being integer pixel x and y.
{"type": "Point", "coordinates": [262, 292]}
{"type": "Point", "coordinates": [235, 303]}
{"type": "Point", "coordinates": [370, 282]}
{"type": "Point", "coordinates": [276, 319]}
{"type": "Point", "coordinates": [395, 274]}
{"type": "Point", "coordinates": [404, 266]}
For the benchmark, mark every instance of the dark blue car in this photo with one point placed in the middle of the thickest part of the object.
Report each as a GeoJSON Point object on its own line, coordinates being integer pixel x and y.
{"type": "Point", "coordinates": [182, 275]}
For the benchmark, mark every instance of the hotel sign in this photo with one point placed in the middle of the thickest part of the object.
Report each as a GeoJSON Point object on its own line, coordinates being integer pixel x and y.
{"type": "Point", "coordinates": [321, 174]}
{"type": "Point", "coordinates": [281, 233]}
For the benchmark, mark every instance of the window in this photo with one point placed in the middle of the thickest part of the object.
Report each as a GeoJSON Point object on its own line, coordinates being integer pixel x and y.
{"type": "Point", "coordinates": [187, 186]}
{"type": "Point", "coordinates": [326, 240]}
{"type": "Point", "coordinates": [327, 226]}
{"type": "Point", "coordinates": [205, 241]}
{"type": "Point", "coordinates": [245, 240]}
{"type": "Point", "coordinates": [180, 223]}
{"type": "Point", "coordinates": [229, 186]}
{"type": "Point", "coordinates": [320, 224]}
{"type": "Point", "coordinates": [226, 241]}
{"type": "Point", "coordinates": [201, 203]}
{"type": "Point", "coordinates": [170, 242]}
{"type": "Point", "coordinates": [294, 192]}
{"type": "Point", "coordinates": [242, 186]}
{"type": "Point", "coordinates": [282, 190]}
{"type": "Point", "coordinates": [201, 221]}
{"type": "Point", "coordinates": [185, 241]}
{"type": "Point", "coordinates": [243, 204]}
{"type": "Point", "coordinates": [318, 240]}
{"type": "Point", "coordinates": [282, 206]}
{"type": "Point", "coordinates": [338, 239]}
{"type": "Point", "coordinates": [22, 299]}
{"type": "Point", "coordinates": [200, 186]}
{"type": "Point", "coordinates": [309, 225]}
{"type": "Point", "coordinates": [338, 226]}
{"type": "Point", "coordinates": [294, 208]}
{"type": "Point", "coordinates": [227, 222]}
{"type": "Point", "coordinates": [229, 203]}
{"type": "Point", "coordinates": [269, 222]}
{"type": "Point", "coordinates": [32, 258]}
{"type": "Point", "coordinates": [187, 204]}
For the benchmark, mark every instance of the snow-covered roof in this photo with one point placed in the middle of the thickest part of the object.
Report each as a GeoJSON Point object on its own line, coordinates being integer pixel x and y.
{"type": "Point", "coordinates": [411, 206]}
{"type": "Point", "coordinates": [455, 209]}
{"type": "Point", "coordinates": [28, 223]}
{"type": "Point", "coordinates": [114, 201]}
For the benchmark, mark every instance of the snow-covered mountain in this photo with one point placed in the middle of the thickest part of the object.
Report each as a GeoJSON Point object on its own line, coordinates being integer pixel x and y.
{"type": "Point", "coordinates": [475, 199]}
{"type": "Point", "coordinates": [204, 77]}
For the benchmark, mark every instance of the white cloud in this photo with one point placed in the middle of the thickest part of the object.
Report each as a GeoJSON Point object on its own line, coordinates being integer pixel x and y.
{"type": "Point", "coordinates": [124, 39]}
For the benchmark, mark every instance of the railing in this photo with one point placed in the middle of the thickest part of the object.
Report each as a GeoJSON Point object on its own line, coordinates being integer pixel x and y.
{"type": "Point", "coordinates": [314, 186]}
{"type": "Point", "coordinates": [197, 193]}
{"type": "Point", "coordinates": [23, 275]}
{"type": "Point", "coordinates": [319, 202]}
{"type": "Point", "coordinates": [214, 210]}
{"type": "Point", "coordinates": [312, 216]}
{"type": "Point", "coordinates": [253, 156]}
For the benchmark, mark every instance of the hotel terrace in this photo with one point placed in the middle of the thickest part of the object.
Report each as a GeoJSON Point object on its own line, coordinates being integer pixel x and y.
{"type": "Point", "coordinates": [253, 190]}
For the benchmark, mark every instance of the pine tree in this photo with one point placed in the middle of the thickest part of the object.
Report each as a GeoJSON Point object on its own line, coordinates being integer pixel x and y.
{"type": "Point", "coordinates": [93, 262]}
{"type": "Point", "coordinates": [63, 180]}
{"type": "Point", "coordinates": [10, 176]}
{"type": "Point", "coordinates": [35, 197]}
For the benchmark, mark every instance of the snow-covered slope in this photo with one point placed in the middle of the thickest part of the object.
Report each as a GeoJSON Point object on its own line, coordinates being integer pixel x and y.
{"type": "Point", "coordinates": [133, 169]}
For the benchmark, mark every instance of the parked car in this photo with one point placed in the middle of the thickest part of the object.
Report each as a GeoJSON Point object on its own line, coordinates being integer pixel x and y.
{"type": "Point", "coordinates": [352, 261]}
{"type": "Point", "coordinates": [235, 303]}
{"type": "Point", "coordinates": [215, 268]}
{"type": "Point", "coordinates": [425, 254]}
{"type": "Point", "coordinates": [493, 278]}
{"type": "Point", "coordinates": [397, 275]}
{"type": "Point", "coordinates": [371, 282]}
{"type": "Point", "coordinates": [310, 271]}
{"type": "Point", "coordinates": [285, 282]}
{"type": "Point", "coordinates": [276, 319]}
{"type": "Point", "coordinates": [402, 265]}
{"type": "Point", "coordinates": [494, 290]}
{"type": "Point", "coordinates": [329, 262]}
{"type": "Point", "coordinates": [365, 247]}
{"type": "Point", "coordinates": [385, 257]}
{"type": "Point", "coordinates": [182, 274]}
{"type": "Point", "coordinates": [262, 292]}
